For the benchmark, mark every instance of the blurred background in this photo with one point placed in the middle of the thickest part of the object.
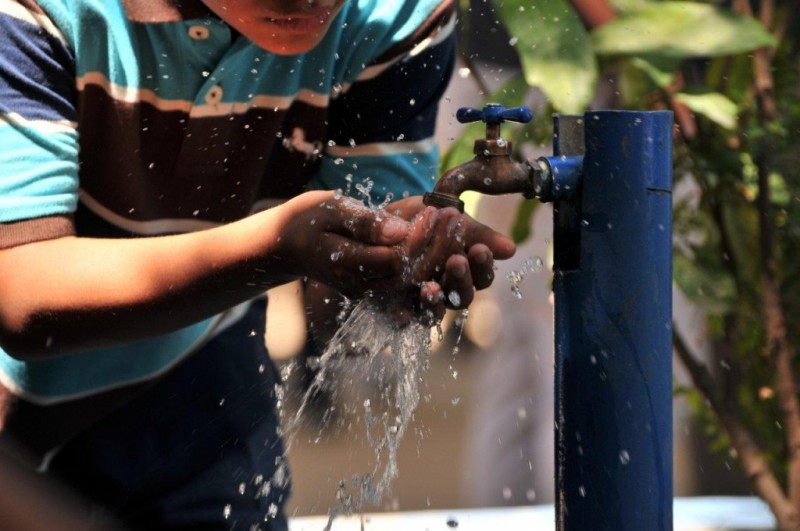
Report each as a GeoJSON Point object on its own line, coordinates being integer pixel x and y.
{"type": "Point", "coordinates": [482, 435]}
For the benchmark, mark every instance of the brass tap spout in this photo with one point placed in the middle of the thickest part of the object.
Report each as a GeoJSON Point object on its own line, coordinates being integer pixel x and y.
{"type": "Point", "coordinates": [488, 175]}
{"type": "Point", "coordinates": [492, 171]}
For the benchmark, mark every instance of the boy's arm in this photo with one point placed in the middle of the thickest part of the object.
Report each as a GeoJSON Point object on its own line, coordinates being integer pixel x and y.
{"type": "Point", "coordinates": [70, 293]}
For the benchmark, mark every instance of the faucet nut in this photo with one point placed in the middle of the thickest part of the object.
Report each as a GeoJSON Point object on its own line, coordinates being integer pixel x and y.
{"type": "Point", "coordinates": [440, 200]}
{"type": "Point", "coordinates": [542, 179]}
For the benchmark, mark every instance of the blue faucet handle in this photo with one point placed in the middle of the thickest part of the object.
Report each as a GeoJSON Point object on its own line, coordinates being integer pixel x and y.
{"type": "Point", "coordinates": [493, 114]}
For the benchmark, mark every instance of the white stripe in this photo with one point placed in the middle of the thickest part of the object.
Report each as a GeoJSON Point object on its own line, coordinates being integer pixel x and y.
{"type": "Point", "coordinates": [167, 225]}
{"type": "Point", "coordinates": [150, 228]}
{"type": "Point", "coordinates": [276, 103]}
{"type": "Point", "coordinates": [436, 38]}
{"type": "Point", "coordinates": [131, 94]}
{"type": "Point", "coordinates": [382, 149]}
{"type": "Point", "coordinates": [44, 126]}
{"type": "Point", "coordinates": [135, 95]}
{"type": "Point", "coordinates": [15, 10]}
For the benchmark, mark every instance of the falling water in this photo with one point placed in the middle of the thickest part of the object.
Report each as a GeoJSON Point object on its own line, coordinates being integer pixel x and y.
{"type": "Point", "coordinates": [371, 331]}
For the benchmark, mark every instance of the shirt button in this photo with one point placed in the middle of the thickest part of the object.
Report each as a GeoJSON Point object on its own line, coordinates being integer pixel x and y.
{"type": "Point", "coordinates": [214, 95]}
{"type": "Point", "coordinates": [199, 33]}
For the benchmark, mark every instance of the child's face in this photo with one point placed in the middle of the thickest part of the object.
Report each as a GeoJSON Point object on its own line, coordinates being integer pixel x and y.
{"type": "Point", "coordinates": [284, 27]}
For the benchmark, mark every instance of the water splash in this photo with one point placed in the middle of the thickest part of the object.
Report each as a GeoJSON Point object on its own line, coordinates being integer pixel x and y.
{"type": "Point", "coordinates": [531, 265]}
{"type": "Point", "coordinates": [407, 349]}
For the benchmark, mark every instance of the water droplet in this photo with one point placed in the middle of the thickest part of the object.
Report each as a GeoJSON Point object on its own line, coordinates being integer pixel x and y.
{"type": "Point", "coordinates": [507, 493]}
{"type": "Point", "coordinates": [454, 298]}
{"type": "Point", "coordinates": [452, 522]}
{"type": "Point", "coordinates": [513, 40]}
{"type": "Point", "coordinates": [530, 495]}
{"type": "Point", "coordinates": [501, 142]}
{"type": "Point", "coordinates": [624, 457]}
{"type": "Point", "coordinates": [412, 101]}
{"type": "Point", "coordinates": [338, 161]}
{"type": "Point", "coordinates": [582, 491]}
{"type": "Point", "coordinates": [455, 401]}
{"type": "Point", "coordinates": [226, 512]}
{"type": "Point", "coordinates": [242, 488]}
{"type": "Point", "coordinates": [522, 413]}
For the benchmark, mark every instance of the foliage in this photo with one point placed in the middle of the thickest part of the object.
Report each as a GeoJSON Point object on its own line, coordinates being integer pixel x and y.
{"type": "Point", "coordinates": [737, 189]}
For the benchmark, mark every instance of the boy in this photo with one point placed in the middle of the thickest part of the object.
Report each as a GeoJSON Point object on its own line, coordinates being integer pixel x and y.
{"type": "Point", "coordinates": [164, 163]}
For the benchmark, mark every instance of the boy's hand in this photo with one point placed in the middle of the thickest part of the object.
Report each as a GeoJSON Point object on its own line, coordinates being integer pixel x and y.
{"type": "Point", "coordinates": [439, 256]}
{"type": "Point", "coordinates": [342, 243]}
{"type": "Point", "coordinates": [450, 255]}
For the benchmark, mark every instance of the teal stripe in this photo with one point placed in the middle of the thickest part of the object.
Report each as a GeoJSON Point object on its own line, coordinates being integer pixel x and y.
{"type": "Point", "coordinates": [37, 182]}
{"type": "Point", "coordinates": [78, 374]}
{"type": "Point", "coordinates": [400, 175]}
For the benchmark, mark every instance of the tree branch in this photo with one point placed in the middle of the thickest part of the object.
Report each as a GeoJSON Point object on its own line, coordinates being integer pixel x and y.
{"type": "Point", "coordinates": [755, 466]}
{"type": "Point", "coordinates": [777, 345]}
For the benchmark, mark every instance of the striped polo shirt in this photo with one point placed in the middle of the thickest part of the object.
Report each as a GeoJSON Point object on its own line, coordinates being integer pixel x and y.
{"type": "Point", "coordinates": [127, 118]}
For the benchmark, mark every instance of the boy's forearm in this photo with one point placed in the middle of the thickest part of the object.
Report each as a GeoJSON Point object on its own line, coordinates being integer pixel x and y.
{"type": "Point", "coordinates": [72, 293]}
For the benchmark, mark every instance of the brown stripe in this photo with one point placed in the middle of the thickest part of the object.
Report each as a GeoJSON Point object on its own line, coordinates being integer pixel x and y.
{"type": "Point", "coordinates": [440, 16]}
{"type": "Point", "coordinates": [31, 6]}
{"type": "Point", "coordinates": [37, 229]}
{"type": "Point", "coordinates": [154, 11]}
{"type": "Point", "coordinates": [145, 164]}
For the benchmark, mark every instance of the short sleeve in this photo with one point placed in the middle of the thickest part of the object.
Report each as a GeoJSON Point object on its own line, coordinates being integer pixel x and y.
{"type": "Point", "coordinates": [38, 127]}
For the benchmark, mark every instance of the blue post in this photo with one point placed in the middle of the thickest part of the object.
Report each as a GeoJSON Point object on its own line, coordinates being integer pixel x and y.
{"type": "Point", "coordinates": [613, 274]}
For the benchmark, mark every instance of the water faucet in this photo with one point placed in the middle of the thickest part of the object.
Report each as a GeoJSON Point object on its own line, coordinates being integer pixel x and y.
{"type": "Point", "coordinates": [494, 172]}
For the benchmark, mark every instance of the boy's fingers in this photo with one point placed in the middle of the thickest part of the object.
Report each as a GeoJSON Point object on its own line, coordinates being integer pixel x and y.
{"type": "Point", "coordinates": [431, 303]}
{"type": "Point", "coordinates": [457, 282]}
{"type": "Point", "coordinates": [501, 246]}
{"type": "Point", "coordinates": [481, 264]}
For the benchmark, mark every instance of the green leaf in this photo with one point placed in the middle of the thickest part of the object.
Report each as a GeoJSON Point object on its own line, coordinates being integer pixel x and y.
{"type": "Point", "coordinates": [660, 70]}
{"type": "Point", "coordinates": [523, 221]}
{"type": "Point", "coordinates": [712, 292]}
{"type": "Point", "coordinates": [682, 30]}
{"type": "Point", "coordinates": [715, 106]}
{"type": "Point", "coordinates": [624, 6]}
{"type": "Point", "coordinates": [554, 49]}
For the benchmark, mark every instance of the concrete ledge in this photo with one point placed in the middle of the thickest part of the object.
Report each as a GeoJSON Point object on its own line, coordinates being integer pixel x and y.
{"type": "Point", "coordinates": [718, 513]}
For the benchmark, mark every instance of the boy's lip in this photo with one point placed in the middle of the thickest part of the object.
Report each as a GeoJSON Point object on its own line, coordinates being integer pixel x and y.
{"type": "Point", "coordinates": [301, 20]}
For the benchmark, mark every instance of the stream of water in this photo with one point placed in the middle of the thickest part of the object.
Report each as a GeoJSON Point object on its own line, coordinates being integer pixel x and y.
{"type": "Point", "coordinates": [370, 331]}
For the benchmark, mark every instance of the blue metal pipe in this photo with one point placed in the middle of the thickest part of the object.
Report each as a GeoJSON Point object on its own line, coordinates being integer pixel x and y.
{"type": "Point", "coordinates": [613, 280]}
